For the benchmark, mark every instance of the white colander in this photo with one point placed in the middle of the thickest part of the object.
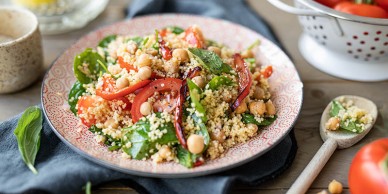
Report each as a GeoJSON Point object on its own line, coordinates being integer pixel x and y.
{"type": "Point", "coordinates": [340, 44]}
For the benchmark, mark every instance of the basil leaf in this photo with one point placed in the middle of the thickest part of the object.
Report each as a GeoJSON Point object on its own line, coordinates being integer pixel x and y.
{"type": "Point", "coordinates": [195, 95]}
{"type": "Point", "coordinates": [176, 29]}
{"type": "Point", "coordinates": [335, 108]}
{"type": "Point", "coordinates": [218, 81]}
{"type": "Point", "coordinates": [89, 73]}
{"type": "Point", "coordinates": [352, 126]}
{"type": "Point", "coordinates": [88, 188]}
{"type": "Point", "coordinates": [76, 91]}
{"type": "Point", "coordinates": [108, 39]}
{"type": "Point", "coordinates": [211, 61]}
{"type": "Point", "coordinates": [27, 133]}
{"type": "Point", "coordinates": [141, 144]}
{"type": "Point", "coordinates": [249, 118]}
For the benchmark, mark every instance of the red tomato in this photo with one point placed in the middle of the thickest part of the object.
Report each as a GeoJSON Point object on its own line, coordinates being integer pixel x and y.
{"type": "Point", "coordinates": [383, 4]}
{"type": "Point", "coordinates": [83, 104]}
{"type": "Point", "coordinates": [109, 91]}
{"type": "Point", "coordinates": [365, 10]}
{"type": "Point", "coordinates": [244, 80]}
{"type": "Point", "coordinates": [267, 72]}
{"type": "Point", "coordinates": [159, 85]}
{"type": "Point", "coordinates": [330, 3]}
{"type": "Point", "coordinates": [166, 51]}
{"type": "Point", "coordinates": [194, 37]}
{"type": "Point", "coordinates": [125, 65]}
{"type": "Point", "coordinates": [368, 172]}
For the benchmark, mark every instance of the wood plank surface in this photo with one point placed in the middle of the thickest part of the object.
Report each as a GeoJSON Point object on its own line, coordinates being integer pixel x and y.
{"type": "Point", "coordinates": [319, 89]}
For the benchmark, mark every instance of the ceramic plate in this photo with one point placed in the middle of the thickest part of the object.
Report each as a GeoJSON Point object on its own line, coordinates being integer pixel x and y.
{"type": "Point", "coordinates": [286, 89]}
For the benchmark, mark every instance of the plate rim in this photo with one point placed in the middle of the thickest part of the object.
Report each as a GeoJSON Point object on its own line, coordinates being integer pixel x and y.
{"type": "Point", "coordinates": [173, 174]}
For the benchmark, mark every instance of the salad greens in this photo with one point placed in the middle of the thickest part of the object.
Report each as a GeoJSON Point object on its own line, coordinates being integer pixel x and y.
{"type": "Point", "coordinates": [347, 124]}
{"type": "Point", "coordinates": [176, 29]}
{"type": "Point", "coordinates": [27, 133]}
{"type": "Point", "coordinates": [195, 95]}
{"type": "Point", "coordinates": [108, 39]}
{"type": "Point", "coordinates": [249, 118]}
{"type": "Point", "coordinates": [86, 66]}
{"type": "Point", "coordinates": [218, 81]}
{"type": "Point", "coordinates": [141, 143]}
{"type": "Point", "coordinates": [76, 91]}
{"type": "Point", "coordinates": [186, 158]}
{"type": "Point", "coordinates": [211, 61]}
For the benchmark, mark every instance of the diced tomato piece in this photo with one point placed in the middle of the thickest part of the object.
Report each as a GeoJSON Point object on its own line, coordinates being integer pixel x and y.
{"type": "Point", "coordinates": [194, 37]}
{"type": "Point", "coordinates": [83, 105]}
{"type": "Point", "coordinates": [125, 65]}
{"type": "Point", "coordinates": [109, 91]}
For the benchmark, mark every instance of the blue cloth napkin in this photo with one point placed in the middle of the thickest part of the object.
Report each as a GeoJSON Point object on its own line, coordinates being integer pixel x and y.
{"type": "Point", "coordinates": [61, 170]}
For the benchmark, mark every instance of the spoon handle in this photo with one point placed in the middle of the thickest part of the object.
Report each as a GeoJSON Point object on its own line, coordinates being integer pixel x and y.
{"type": "Point", "coordinates": [315, 166]}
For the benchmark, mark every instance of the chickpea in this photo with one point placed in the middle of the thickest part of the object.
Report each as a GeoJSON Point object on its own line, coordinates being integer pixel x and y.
{"type": "Point", "coordinates": [333, 123]}
{"type": "Point", "coordinates": [215, 49]}
{"type": "Point", "coordinates": [181, 55]}
{"type": "Point", "coordinates": [171, 66]}
{"type": "Point", "coordinates": [270, 108]}
{"type": "Point", "coordinates": [165, 152]}
{"type": "Point", "coordinates": [145, 108]}
{"type": "Point", "coordinates": [247, 54]}
{"type": "Point", "coordinates": [132, 48]}
{"type": "Point", "coordinates": [253, 127]}
{"type": "Point", "coordinates": [199, 81]}
{"type": "Point", "coordinates": [122, 82]}
{"type": "Point", "coordinates": [241, 108]}
{"type": "Point", "coordinates": [218, 135]}
{"type": "Point", "coordinates": [144, 73]}
{"type": "Point", "coordinates": [143, 60]}
{"type": "Point", "coordinates": [258, 93]}
{"type": "Point", "coordinates": [257, 108]}
{"type": "Point", "coordinates": [195, 143]}
{"type": "Point", "coordinates": [111, 123]}
{"type": "Point", "coordinates": [335, 187]}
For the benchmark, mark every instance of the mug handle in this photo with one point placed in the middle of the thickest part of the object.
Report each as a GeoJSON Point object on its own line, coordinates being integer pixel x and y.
{"type": "Point", "coordinates": [290, 9]}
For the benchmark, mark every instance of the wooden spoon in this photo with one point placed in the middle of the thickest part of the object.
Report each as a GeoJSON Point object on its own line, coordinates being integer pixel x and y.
{"type": "Point", "coordinates": [333, 140]}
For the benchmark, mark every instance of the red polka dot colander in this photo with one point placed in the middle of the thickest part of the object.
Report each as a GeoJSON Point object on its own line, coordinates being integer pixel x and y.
{"type": "Point", "coordinates": [347, 46]}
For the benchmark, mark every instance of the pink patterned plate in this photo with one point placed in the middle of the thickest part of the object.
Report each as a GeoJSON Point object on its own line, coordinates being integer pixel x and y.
{"type": "Point", "coordinates": [286, 89]}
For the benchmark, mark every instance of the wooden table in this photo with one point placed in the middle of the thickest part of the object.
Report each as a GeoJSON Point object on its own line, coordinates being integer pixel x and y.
{"type": "Point", "coordinates": [319, 88]}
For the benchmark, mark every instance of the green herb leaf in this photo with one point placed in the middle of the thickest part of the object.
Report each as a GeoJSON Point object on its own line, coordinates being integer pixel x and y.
{"type": "Point", "coordinates": [195, 95]}
{"type": "Point", "coordinates": [88, 188]}
{"type": "Point", "coordinates": [218, 81]}
{"type": "Point", "coordinates": [186, 158]}
{"type": "Point", "coordinates": [202, 130]}
{"type": "Point", "coordinates": [213, 43]}
{"type": "Point", "coordinates": [141, 144]}
{"type": "Point", "coordinates": [253, 45]}
{"type": "Point", "coordinates": [76, 91]}
{"type": "Point", "coordinates": [176, 29]}
{"type": "Point", "coordinates": [211, 61]}
{"type": "Point", "coordinates": [352, 126]}
{"type": "Point", "coordinates": [335, 108]}
{"type": "Point", "coordinates": [249, 118]}
{"type": "Point", "coordinates": [27, 133]}
{"type": "Point", "coordinates": [108, 39]}
{"type": "Point", "coordinates": [139, 40]}
{"type": "Point", "coordinates": [93, 69]}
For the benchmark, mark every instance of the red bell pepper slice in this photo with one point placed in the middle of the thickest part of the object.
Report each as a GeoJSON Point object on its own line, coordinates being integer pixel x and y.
{"type": "Point", "coordinates": [244, 80]}
{"type": "Point", "coordinates": [109, 91]}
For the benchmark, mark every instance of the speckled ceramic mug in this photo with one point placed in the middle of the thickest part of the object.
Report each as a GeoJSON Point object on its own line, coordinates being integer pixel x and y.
{"type": "Point", "coordinates": [21, 56]}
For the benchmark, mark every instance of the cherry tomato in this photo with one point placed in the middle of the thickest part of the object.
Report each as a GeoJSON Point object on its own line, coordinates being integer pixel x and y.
{"type": "Point", "coordinates": [159, 85]}
{"type": "Point", "coordinates": [244, 80]}
{"type": "Point", "coordinates": [369, 169]}
{"type": "Point", "coordinates": [109, 91]}
{"type": "Point", "coordinates": [194, 37]}
{"type": "Point", "coordinates": [365, 10]}
{"type": "Point", "coordinates": [330, 3]}
{"type": "Point", "coordinates": [267, 72]}
{"type": "Point", "coordinates": [383, 4]}
{"type": "Point", "coordinates": [125, 65]}
{"type": "Point", "coordinates": [83, 105]}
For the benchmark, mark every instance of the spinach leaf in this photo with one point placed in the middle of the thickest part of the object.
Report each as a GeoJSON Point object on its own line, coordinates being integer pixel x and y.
{"type": "Point", "coordinates": [186, 158]}
{"type": "Point", "coordinates": [218, 81]}
{"type": "Point", "coordinates": [141, 143]}
{"type": "Point", "coordinates": [76, 91]}
{"type": "Point", "coordinates": [211, 61]}
{"type": "Point", "coordinates": [138, 40]}
{"type": "Point", "coordinates": [249, 118]}
{"type": "Point", "coordinates": [89, 73]}
{"type": "Point", "coordinates": [176, 29]}
{"type": "Point", "coordinates": [112, 143]}
{"type": "Point", "coordinates": [108, 39]}
{"type": "Point", "coordinates": [195, 95]}
{"type": "Point", "coordinates": [27, 133]}
{"type": "Point", "coordinates": [352, 126]}
{"type": "Point", "coordinates": [335, 108]}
